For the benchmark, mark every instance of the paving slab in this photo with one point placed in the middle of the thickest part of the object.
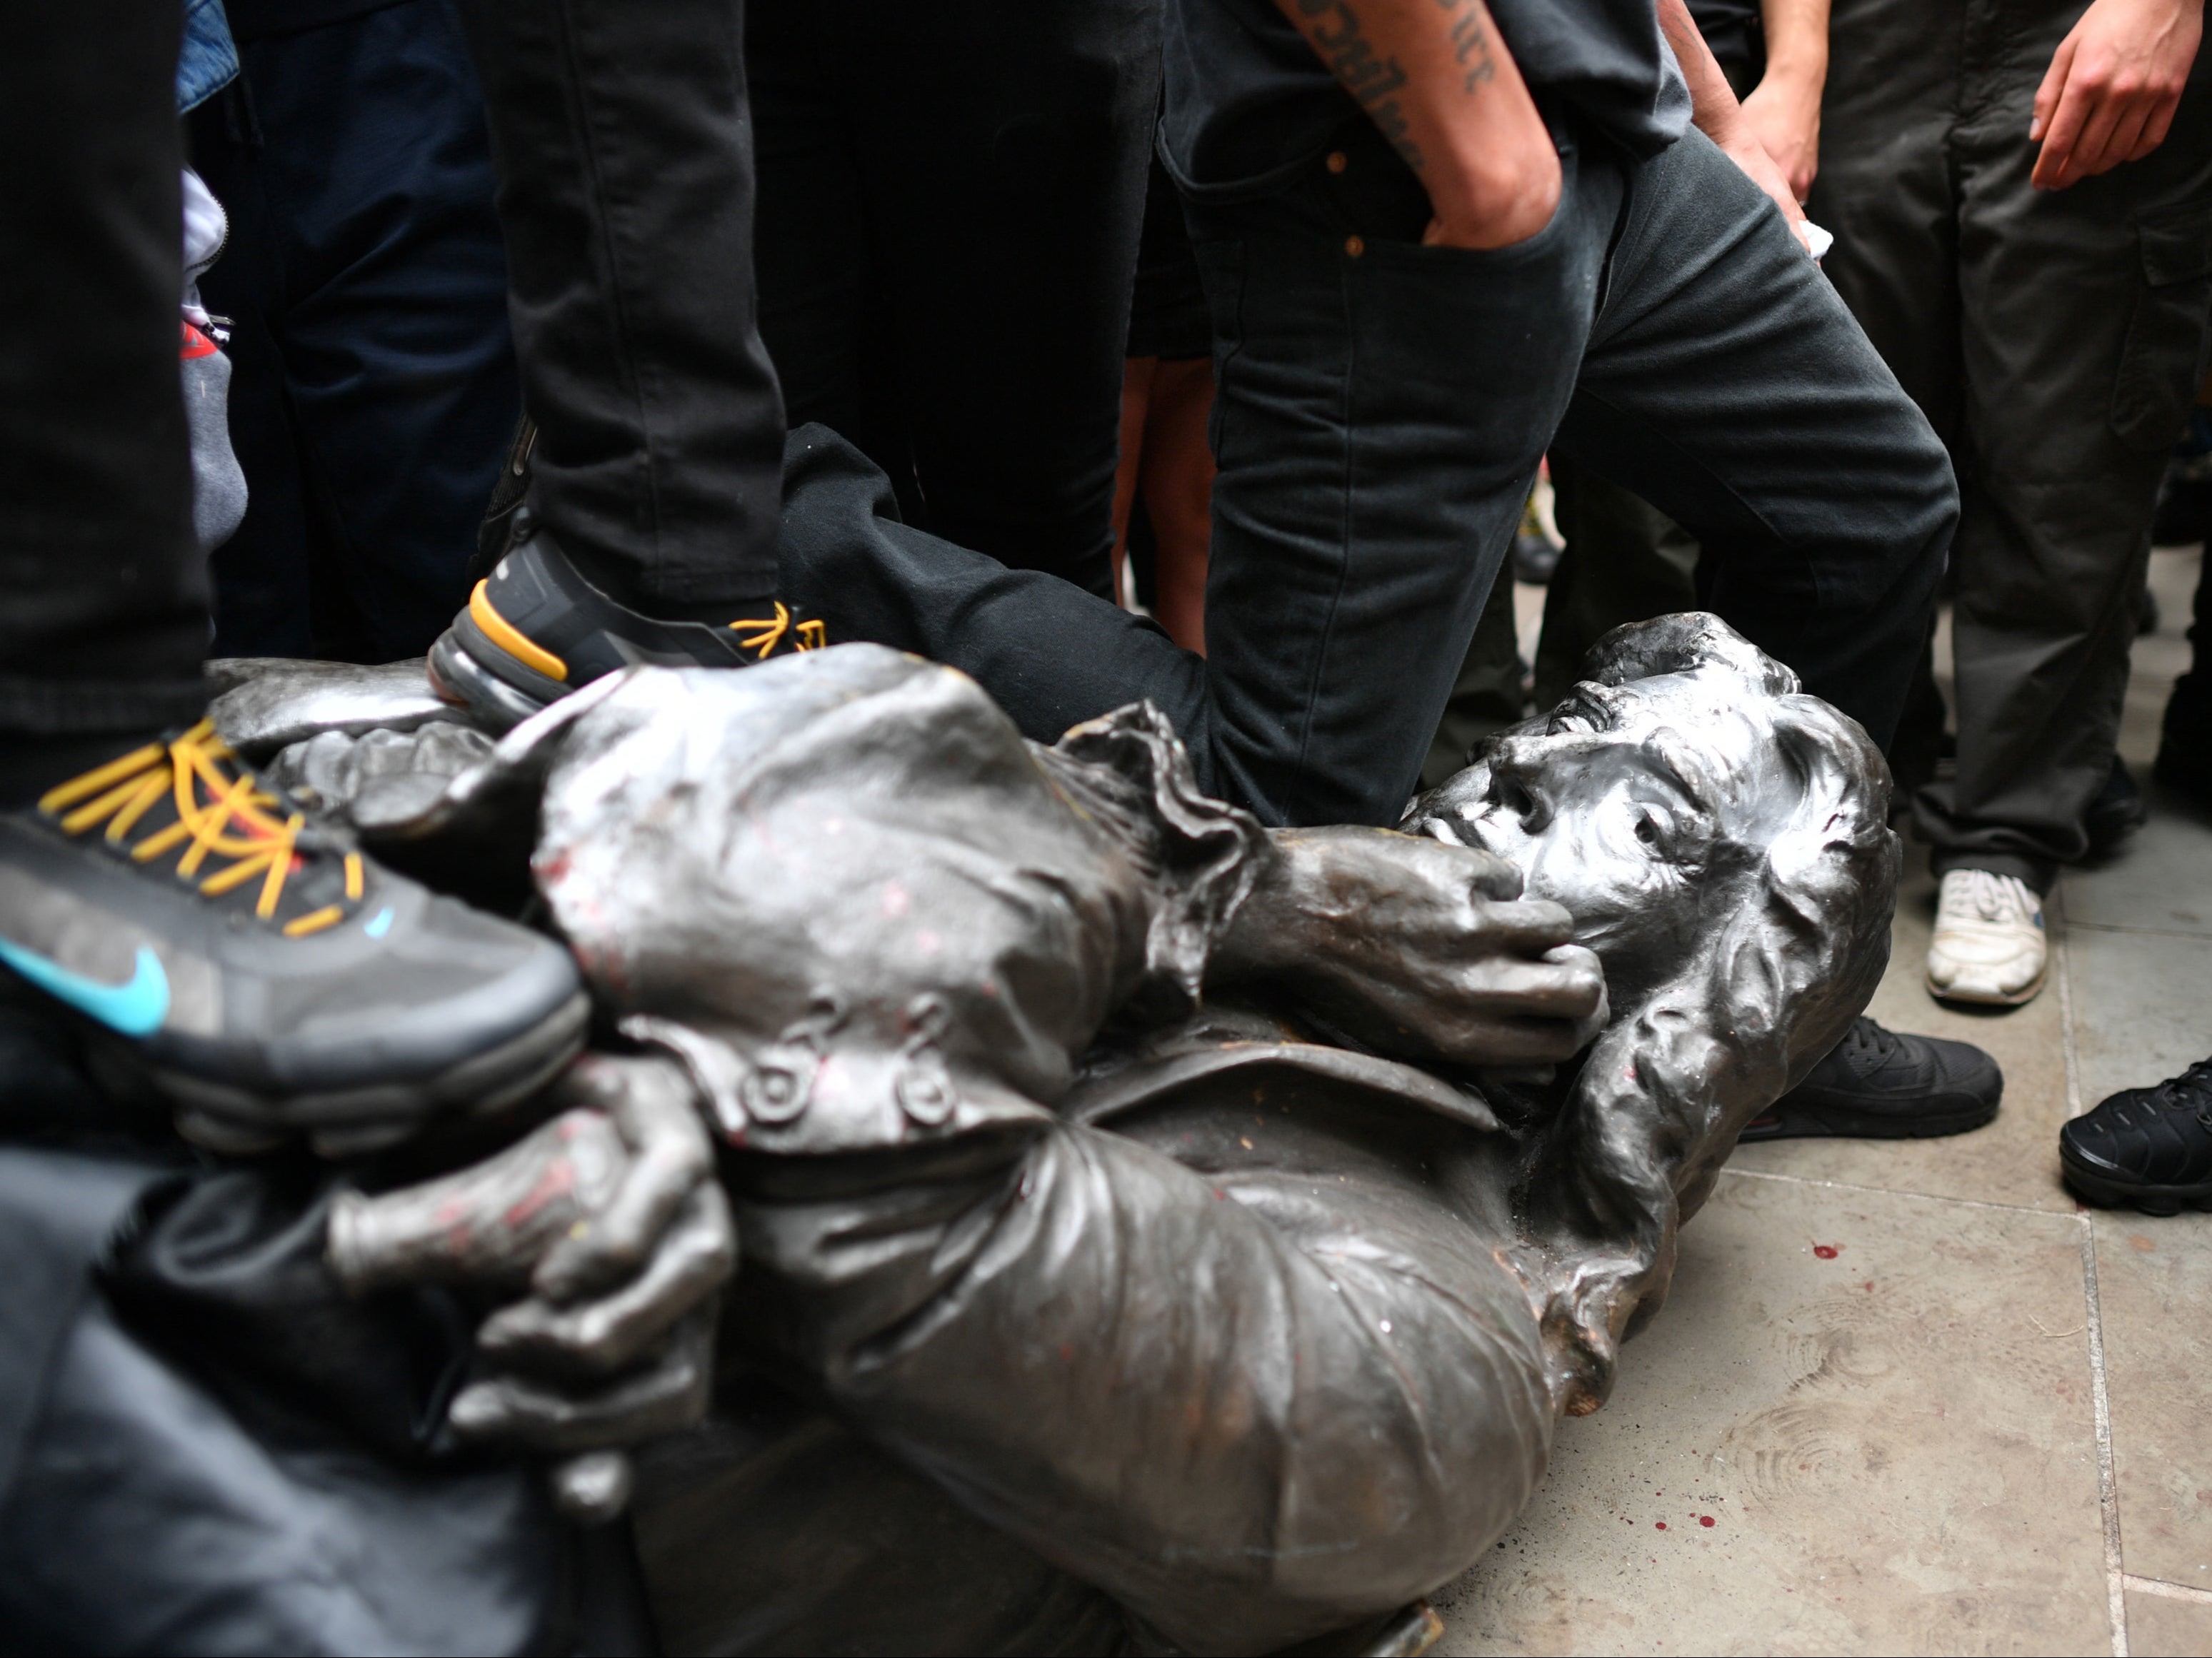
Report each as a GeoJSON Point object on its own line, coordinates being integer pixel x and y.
{"type": "Point", "coordinates": [2015, 1159]}
{"type": "Point", "coordinates": [1880, 1401]}
{"type": "Point", "coordinates": [2164, 1626]}
{"type": "Point", "coordinates": [2154, 1285]}
{"type": "Point", "coordinates": [2143, 1005]}
{"type": "Point", "coordinates": [2159, 881]}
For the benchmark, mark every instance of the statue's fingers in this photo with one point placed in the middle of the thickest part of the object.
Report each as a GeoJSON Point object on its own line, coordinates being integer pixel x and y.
{"type": "Point", "coordinates": [652, 1109]}
{"type": "Point", "coordinates": [669, 1394]}
{"type": "Point", "coordinates": [690, 1262]}
{"type": "Point", "coordinates": [1526, 927]}
{"type": "Point", "coordinates": [1569, 991]}
{"type": "Point", "coordinates": [1501, 1042]}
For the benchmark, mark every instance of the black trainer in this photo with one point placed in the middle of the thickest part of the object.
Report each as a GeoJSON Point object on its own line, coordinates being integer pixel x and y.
{"type": "Point", "coordinates": [536, 630]}
{"type": "Point", "coordinates": [2151, 1147]}
{"type": "Point", "coordinates": [263, 976]}
{"type": "Point", "coordinates": [1878, 1084]}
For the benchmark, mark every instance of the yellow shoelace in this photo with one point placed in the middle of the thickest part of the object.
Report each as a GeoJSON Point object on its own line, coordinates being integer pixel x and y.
{"type": "Point", "coordinates": [812, 635]}
{"type": "Point", "coordinates": [234, 824]}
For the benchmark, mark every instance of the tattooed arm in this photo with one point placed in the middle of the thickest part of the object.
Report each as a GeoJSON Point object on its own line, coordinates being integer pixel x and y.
{"type": "Point", "coordinates": [1434, 75]}
{"type": "Point", "coordinates": [1719, 117]}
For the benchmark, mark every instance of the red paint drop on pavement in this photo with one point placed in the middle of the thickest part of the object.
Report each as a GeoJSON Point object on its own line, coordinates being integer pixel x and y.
{"type": "Point", "coordinates": [1660, 1525]}
{"type": "Point", "coordinates": [1825, 1251]}
{"type": "Point", "coordinates": [1704, 1520]}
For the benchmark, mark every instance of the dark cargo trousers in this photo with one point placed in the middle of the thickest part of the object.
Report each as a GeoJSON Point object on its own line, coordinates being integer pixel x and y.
{"type": "Point", "coordinates": [2054, 340]}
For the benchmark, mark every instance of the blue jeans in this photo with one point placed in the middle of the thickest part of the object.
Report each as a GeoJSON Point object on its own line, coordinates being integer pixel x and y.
{"type": "Point", "coordinates": [375, 387]}
{"type": "Point", "coordinates": [1381, 407]}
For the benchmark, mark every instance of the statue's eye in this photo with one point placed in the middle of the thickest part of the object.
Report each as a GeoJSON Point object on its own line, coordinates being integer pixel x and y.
{"type": "Point", "coordinates": [1647, 829]}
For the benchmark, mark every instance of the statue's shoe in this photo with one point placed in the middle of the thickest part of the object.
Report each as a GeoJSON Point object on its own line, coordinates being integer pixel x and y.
{"type": "Point", "coordinates": [2151, 1147]}
{"type": "Point", "coordinates": [1989, 946]}
{"type": "Point", "coordinates": [1883, 1085]}
{"type": "Point", "coordinates": [536, 630]}
{"type": "Point", "coordinates": [262, 975]}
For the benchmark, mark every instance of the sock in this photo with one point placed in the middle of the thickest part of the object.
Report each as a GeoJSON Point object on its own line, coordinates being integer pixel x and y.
{"type": "Point", "coordinates": [29, 765]}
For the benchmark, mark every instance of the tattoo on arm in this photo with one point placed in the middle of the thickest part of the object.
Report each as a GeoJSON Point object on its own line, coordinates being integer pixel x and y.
{"type": "Point", "coordinates": [1375, 81]}
{"type": "Point", "coordinates": [1335, 28]}
{"type": "Point", "coordinates": [1470, 36]}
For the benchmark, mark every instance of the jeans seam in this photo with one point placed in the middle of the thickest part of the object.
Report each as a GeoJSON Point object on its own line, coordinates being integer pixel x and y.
{"type": "Point", "coordinates": [1345, 516]}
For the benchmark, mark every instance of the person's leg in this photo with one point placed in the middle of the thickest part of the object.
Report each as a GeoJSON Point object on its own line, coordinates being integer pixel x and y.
{"type": "Point", "coordinates": [2185, 746]}
{"type": "Point", "coordinates": [1365, 501]}
{"type": "Point", "coordinates": [1624, 561]}
{"type": "Point", "coordinates": [263, 976]}
{"type": "Point", "coordinates": [623, 153]}
{"type": "Point", "coordinates": [263, 577]}
{"type": "Point", "coordinates": [1726, 384]}
{"type": "Point", "coordinates": [374, 184]}
{"type": "Point", "coordinates": [1005, 152]}
{"type": "Point", "coordinates": [2086, 309]}
{"type": "Point", "coordinates": [1137, 376]}
{"type": "Point", "coordinates": [810, 251]}
{"type": "Point", "coordinates": [1177, 476]}
{"type": "Point", "coordinates": [1380, 409]}
{"type": "Point", "coordinates": [1485, 698]}
{"type": "Point", "coordinates": [105, 624]}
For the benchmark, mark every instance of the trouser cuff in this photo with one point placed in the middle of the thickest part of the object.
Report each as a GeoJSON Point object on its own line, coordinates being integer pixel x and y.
{"type": "Point", "coordinates": [2038, 875]}
{"type": "Point", "coordinates": [83, 708]}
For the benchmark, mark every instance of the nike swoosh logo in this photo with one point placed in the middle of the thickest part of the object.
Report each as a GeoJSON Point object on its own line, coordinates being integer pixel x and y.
{"type": "Point", "coordinates": [136, 1007]}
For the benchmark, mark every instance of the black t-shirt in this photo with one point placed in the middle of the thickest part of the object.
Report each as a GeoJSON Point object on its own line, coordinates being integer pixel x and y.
{"type": "Point", "coordinates": [1249, 101]}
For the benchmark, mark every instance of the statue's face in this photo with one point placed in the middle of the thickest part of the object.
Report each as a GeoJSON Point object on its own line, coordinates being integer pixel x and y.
{"type": "Point", "coordinates": [1613, 808]}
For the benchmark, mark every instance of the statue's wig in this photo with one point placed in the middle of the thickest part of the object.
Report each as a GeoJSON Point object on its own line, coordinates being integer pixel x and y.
{"type": "Point", "coordinates": [1798, 906]}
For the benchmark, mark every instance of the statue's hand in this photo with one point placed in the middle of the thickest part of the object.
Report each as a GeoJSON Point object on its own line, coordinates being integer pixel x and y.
{"type": "Point", "coordinates": [1417, 948]}
{"type": "Point", "coordinates": [609, 1221]}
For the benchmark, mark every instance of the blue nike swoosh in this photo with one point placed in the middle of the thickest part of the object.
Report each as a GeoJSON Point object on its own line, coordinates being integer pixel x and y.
{"type": "Point", "coordinates": [136, 1007]}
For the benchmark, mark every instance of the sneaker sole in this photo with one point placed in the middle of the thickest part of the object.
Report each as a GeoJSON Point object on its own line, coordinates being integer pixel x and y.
{"type": "Point", "coordinates": [2010, 998]}
{"type": "Point", "coordinates": [1805, 1122]}
{"type": "Point", "coordinates": [347, 1121]}
{"type": "Point", "coordinates": [2103, 1192]}
{"type": "Point", "coordinates": [467, 668]}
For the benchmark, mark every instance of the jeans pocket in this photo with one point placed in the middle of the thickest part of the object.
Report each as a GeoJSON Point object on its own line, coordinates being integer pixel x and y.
{"type": "Point", "coordinates": [2161, 359]}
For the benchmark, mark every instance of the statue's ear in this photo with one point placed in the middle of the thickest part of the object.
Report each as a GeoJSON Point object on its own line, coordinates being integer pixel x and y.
{"type": "Point", "coordinates": [1682, 643]}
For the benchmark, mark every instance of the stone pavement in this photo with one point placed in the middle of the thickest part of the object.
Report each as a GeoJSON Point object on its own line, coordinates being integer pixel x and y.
{"type": "Point", "coordinates": [1912, 1397]}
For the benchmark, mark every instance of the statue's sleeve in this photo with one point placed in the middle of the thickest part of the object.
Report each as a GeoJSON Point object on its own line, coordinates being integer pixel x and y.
{"type": "Point", "coordinates": [1254, 1405]}
{"type": "Point", "coordinates": [1128, 778]}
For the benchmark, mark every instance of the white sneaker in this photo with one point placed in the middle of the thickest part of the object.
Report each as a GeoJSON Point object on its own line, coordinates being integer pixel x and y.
{"type": "Point", "coordinates": [1990, 945]}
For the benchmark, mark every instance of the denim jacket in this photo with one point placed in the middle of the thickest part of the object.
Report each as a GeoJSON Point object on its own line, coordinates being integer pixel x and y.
{"type": "Point", "coordinates": [209, 61]}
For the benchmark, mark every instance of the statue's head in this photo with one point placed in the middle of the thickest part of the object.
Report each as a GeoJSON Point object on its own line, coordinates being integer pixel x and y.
{"type": "Point", "coordinates": [1685, 784]}
{"type": "Point", "coordinates": [1722, 842]}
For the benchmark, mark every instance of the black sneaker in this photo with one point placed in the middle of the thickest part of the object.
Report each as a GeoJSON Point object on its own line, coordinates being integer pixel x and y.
{"type": "Point", "coordinates": [536, 630]}
{"type": "Point", "coordinates": [1877, 1084]}
{"type": "Point", "coordinates": [2185, 749]}
{"type": "Point", "coordinates": [2151, 1147]}
{"type": "Point", "coordinates": [261, 975]}
{"type": "Point", "coordinates": [2117, 812]}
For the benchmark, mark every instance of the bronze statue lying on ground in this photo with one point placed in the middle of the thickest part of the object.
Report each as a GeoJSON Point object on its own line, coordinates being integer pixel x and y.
{"type": "Point", "coordinates": [1136, 1215]}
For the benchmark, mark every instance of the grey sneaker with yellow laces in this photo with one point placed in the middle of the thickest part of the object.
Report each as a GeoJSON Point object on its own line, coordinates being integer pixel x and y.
{"type": "Point", "coordinates": [263, 976]}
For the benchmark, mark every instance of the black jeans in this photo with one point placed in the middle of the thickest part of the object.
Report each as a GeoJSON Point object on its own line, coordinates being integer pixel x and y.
{"type": "Point", "coordinates": [1381, 411]}
{"type": "Point", "coordinates": [950, 200]}
{"type": "Point", "coordinates": [620, 137]}
{"type": "Point", "coordinates": [2054, 337]}
{"type": "Point", "coordinates": [374, 385]}
{"type": "Point", "coordinates": [104, 620]}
